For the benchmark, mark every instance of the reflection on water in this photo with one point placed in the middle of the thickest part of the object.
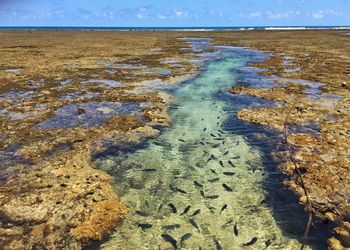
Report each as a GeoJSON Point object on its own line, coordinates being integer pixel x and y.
{"type": "Point", "coordinates": [88, 114]}
{"type": "Point", "coordinates": [201, 184]}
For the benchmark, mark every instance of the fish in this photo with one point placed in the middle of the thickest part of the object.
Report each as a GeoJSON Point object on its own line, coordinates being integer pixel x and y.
{"type": "Point", "coordinates": [235, 229]}
{"type": "Point", "coordinates": [252, 242]}
{"type": "Point", "coordinates": [186, 210]}
{"type": "Point", "coordinates": [144, 226]}
{"type": "Point", "coordinates": [171, 227]}
{"type": "Point", "coordinates": [214, 180]}
{"type": "Point", "coordinates": [170, 239]}
{"type": "Point", "coordinates": [146, 203]}
{"type": "Point", "coordinates": [227, 188]}
{"type": "Point", "coordinates": [226, 153]}
{"type": "Point", "coordinates": [194, 224]}
{"type": "Point", "coordinates": [160, 207]}
{"type": "Point", "coordinates": [213, 171]}
{"type": "Point", "coordinates": [218, 117]}
{"type": "Point", "coordinates": [221, 164]}
{"type": "Point", "coordinates": [215, 145]}
{"type": "Point", "coordinates": [217, 245]}
{"type": "Point", "coordinates": [213, 157]}
{"type": "Point", "coordinates": [230, 162]}
{"type": "Point", "coordinates": [236, 157]}
{"type": "Point", "coordinates": [221, 131]}
{"type": "Point", "coordinates": [227, 223]}
{"type": "Point", "coordinates": [219, 139]}
{"type": "Point", "coordinates": [209, 160]}
{"type": "Point", "coordinates": [196, 212]}
{"type": "Point", "coordinates": [229, 173]}
{"type": "Point", "coordinates": [149, 170]}
{"type": "Point", "coordinates": [212, 209]}
{"type": "Point", "coordinates": [204, 129]}
{"type": "Point", "coordinates": [223, 208]}
{"type": "Point", "coordinates": [197, 184]}
{"type": "Point", "coordinates": [213, 135]}
{"type": "Point", "coordinates": [185, 237]}
{"type": "Point", "coordinates": [202, 193]}
{"type": "Point", "coordinates": [173, 208]}
{"type": "Point", "coordinates": [141, 213]}
{"type": "Point", "coordinates": [180, 190]}
{"type": "Point", "coordinates": [202, 143]}
{"type": "Point", "coordinates": [267, 243]}
{"type": "Point", "coordinates": [182, 140]}
{"type": "Point", "coordinates": [212, 196]}
{"type": "Point", "coordinates": [237, 143]}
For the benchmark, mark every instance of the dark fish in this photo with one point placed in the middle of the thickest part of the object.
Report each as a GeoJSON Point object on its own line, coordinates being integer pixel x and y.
{"type": "Point", "coordinates": [181, 140]}
{"type": "Point", "coordinates": [216, 145]}
{"type": "Point", "coordinates": [252, 242]}
{"type": "Point", "coordinates": [170, 239]}
{"type": "Point", "coordinates": [229, 173]}
{"type": "Point", "coordinates": [226, 153]}
{"type": "Point", "coordinates": [219, 139]}
{"type": "Point", "coordinates": [267, 243]}
{"type": "Point", "coordinates": [221, 131]}
{"type": "Point", "coordinates": [144, 226]}
{"type": "Point", "coordinates": [218, 117]}
{"type": "Point", "coordinates": [235, 229]}
{"type": "Point", "coordinates": [173, 208]}
{"type": "Point", "coordinates": [212, 135]}
{"type": "Point", "coordinates": [237, 143]}
{"type": "Point", "coordinates": [180, 190]}
{"type": "Point", "coordinates": [197, 184]}
{"type": "Point", "coordinates": [204, 129]}
{"type": "Point", "coordinates": [221, 164]}
{"type": "Point", "coordinates": [227, 188]}
{"type": "Point", "coordinates": [212, 196]}
{"type": "Point", "coordinates": [209, 160]}
{"type": "Point", "coordinates": [212, 209]}
{"type": "Point", "coordinates": [146, 203]}
{"type": "Point", "coordinates": [138, 212]}
{"type": "Point", "coordinates": [194, 224]}
{"type": "Point", "coordinates": [196, 212]}
{"type": "Point", "coordinates": [172, 188]}
{"type": "Point", "coordinates": [213, 157]}
{"type": "Point", "coordinates": [202, 143]}
{"type": "Point", "coordinates": [223, 142]}
{"type": "Point", "coordinates": [160, 207]}
{"type": "Point", "coordinates": [227, 223]}
{"type": "Point", "coordinates": [186, 210]}
{"type": "Point", "coordinates": [230, 162]}
{"type": "Point", "coordinates": [223, 208]}
{"type": "Point", "coordinates": [236, 157]}
{"type": "Point", "coordinates": [171, 227]}
{"type": "Point", "coordinates": [217, 245]}
{"type": "Point", "coordinates": [149, 170]}
{"type": "Point", "coordinates": [214, 180]}
{"type": "Point", "coordinates": [202, 193]}
{"type": "Point", "coordinates": [213, 171]}
{"type": "Point", "coordinates": [185, 237]}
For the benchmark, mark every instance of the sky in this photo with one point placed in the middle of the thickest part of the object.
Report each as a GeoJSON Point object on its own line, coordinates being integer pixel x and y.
{"type": "Point", "coordinates": [174, 13]}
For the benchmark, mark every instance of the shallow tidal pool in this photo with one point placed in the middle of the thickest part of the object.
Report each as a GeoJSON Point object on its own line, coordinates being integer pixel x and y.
{"type": "Point", "coordinates": [201, 184]}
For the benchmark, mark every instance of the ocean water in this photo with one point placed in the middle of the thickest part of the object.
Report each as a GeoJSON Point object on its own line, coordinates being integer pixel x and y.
{"type": "Point", "coordinates": [175, 28]}
{"type": "Point", "coordinates": [205, 183]}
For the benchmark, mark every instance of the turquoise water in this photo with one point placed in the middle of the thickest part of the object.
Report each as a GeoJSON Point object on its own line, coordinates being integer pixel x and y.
{"type": "Point", "coordinates": [201, 183]}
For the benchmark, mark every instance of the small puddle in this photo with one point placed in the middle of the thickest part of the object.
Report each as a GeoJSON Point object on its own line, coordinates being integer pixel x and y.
{"type": "Point", "coordinates": [12, 70]}
{"type": "Point", "coordinates": [78, 96]}
{"type": "Point", "coordinates": [16, 95]}
{"type": "Point", "coordinates": [89, 114]}
{"type": "Point", "coordinates": [158, 72]}
{"type": "Point", "coordinates": [108, 82]}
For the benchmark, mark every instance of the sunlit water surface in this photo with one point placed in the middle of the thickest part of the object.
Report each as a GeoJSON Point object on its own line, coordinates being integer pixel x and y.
{"type": "Point", "coordinates": [201, 182]}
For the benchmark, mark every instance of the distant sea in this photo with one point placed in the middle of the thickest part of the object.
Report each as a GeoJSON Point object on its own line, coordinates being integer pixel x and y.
{"type": "Point", "coordinates": [177, 28]}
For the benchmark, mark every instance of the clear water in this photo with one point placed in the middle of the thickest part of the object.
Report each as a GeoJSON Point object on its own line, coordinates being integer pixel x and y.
{"type": "Point", "coordinates": [206, 161]}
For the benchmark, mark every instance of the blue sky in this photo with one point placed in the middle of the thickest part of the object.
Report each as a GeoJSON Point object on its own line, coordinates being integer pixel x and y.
{"type": "Point", "coordinates": [174, 12]}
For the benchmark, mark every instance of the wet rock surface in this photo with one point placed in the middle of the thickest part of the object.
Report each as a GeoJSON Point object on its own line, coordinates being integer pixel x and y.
{"type": "Point", "coordinates": [323, 157]}
{"type": "Point", "coordinates": [57, 111]}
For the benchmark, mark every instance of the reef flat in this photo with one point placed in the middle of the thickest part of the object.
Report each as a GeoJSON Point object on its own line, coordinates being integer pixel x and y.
{"type": "Point", "coordinates": [67, 95]}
